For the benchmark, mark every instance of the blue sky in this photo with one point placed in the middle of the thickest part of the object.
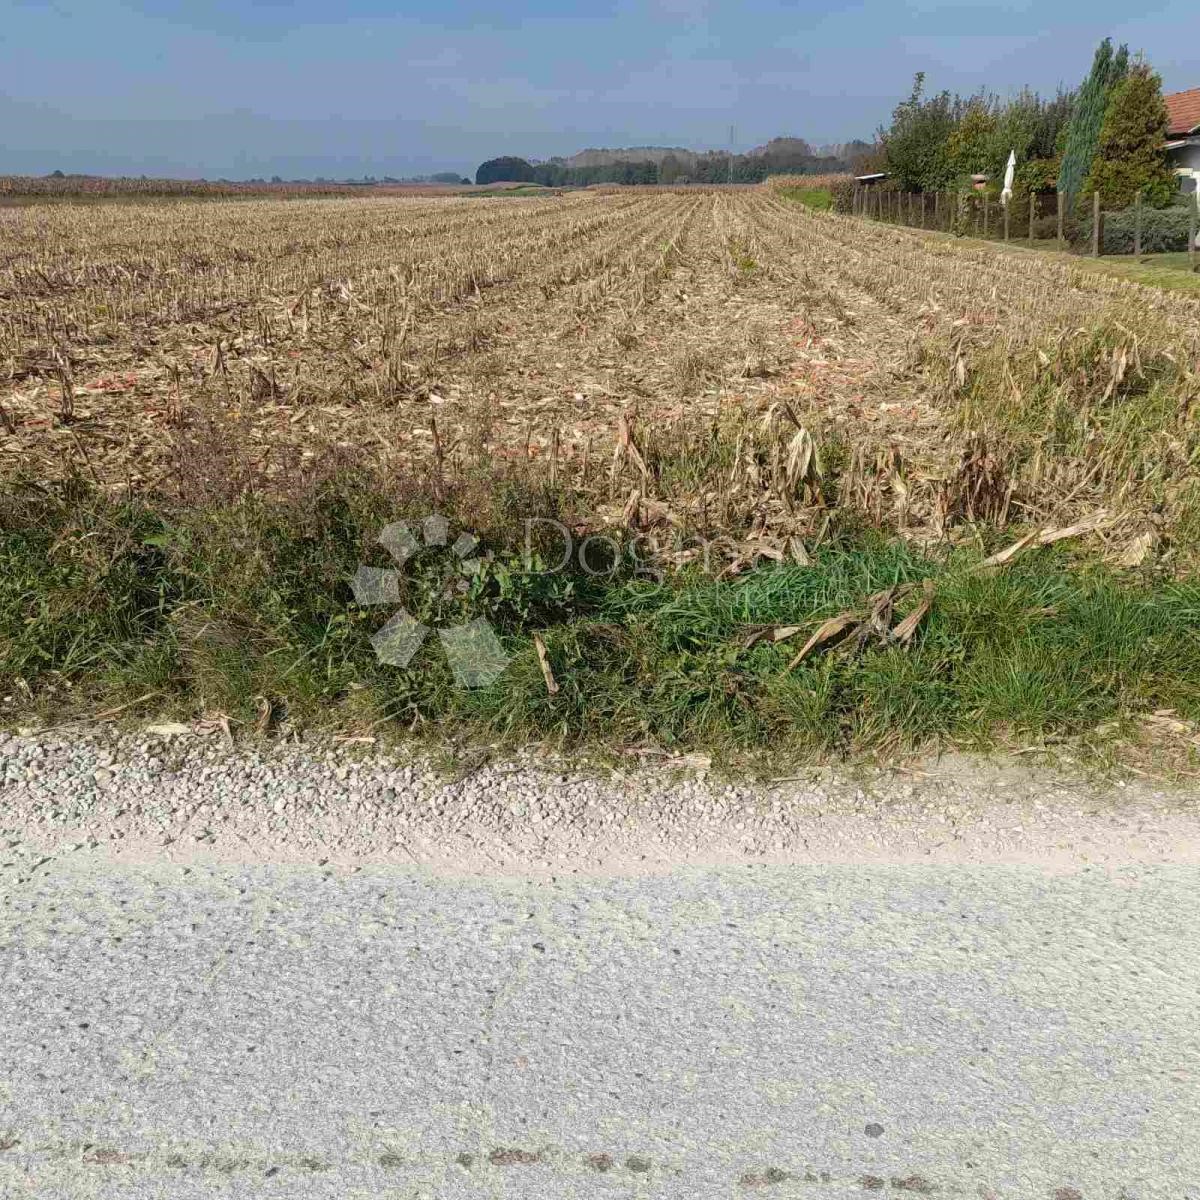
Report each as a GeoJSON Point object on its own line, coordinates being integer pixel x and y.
{"type": "Point", "coordinates": [298, 88]}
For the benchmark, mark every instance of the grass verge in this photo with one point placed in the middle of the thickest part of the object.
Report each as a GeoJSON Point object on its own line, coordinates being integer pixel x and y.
{"type": "Point", "coordinates": [246, 609]}
{"type": "Point", "coordinates": [1170, 272]}
{"type": "Point", "coordinates": [818, 198]}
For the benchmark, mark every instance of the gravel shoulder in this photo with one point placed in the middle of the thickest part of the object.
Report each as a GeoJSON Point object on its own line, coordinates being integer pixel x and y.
{"type": "Point", "coordinates": [139, 798]}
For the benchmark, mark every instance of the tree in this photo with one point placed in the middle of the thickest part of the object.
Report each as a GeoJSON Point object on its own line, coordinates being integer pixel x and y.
{"type": "Point", "coordinates": [1129, 155]}
{"type": "Point", "coordinates": [671, 169]}
{"type": "Point", "coordinates": [916, 142]}
{"type": "Point", "coordinates": [969, 146]}
{"type": "Point", "coordinates": [505, 170]}
{"type": "Point", "coordinates": [1082, 133]}
{"type": "Point", "coordinates": [1031, 127]}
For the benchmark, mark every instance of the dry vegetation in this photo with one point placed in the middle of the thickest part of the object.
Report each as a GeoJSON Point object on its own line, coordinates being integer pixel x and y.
{"type": "Point", "coordinates": [793, 385]}
{"type": "Point", "coordinates": [754, 367]}
{"type": "Point", "coordinates": [101, 187]}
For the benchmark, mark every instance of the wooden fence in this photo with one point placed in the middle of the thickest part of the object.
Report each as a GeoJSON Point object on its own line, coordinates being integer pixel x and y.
{"type": "Point", "coordinates": [980, 214]}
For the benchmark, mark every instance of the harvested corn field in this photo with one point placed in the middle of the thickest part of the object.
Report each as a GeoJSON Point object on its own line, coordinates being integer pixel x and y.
{"type": "Point", "coordinates": [833, 442]}
{"type": "Point", "coordinates": [752, 365]}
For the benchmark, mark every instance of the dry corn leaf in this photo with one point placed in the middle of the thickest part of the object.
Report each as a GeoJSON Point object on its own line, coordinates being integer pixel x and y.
{"type": "Point", "coordinates": [1138, 550]}
{"type": "Point", "coordinates": [904, 631]}
{"type": "Point", "coordinates": [544, 663]}
{"type": "Point", "coordinates": [1047, 537]}
{"type": "Point", "coordinates": [776, 633]}
{"type": "Point", "coordinates": [827, 631]}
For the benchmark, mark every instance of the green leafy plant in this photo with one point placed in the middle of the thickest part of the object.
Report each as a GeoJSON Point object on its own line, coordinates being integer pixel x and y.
{"type": "Point", "coordinates": [1130, 159]}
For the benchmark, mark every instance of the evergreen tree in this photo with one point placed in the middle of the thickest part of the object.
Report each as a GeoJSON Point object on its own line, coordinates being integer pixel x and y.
{"type": "Point", "coordinates": [1083, 131]}
{"type": "Point", "coordinates": [1129, 156]}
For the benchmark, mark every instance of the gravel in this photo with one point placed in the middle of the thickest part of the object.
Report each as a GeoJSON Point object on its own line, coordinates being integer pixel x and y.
{"type": "Point", "coordinates": [144, 796]}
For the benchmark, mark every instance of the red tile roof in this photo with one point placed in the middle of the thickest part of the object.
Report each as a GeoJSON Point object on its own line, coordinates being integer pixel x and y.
{"type": "Point", "coordinates": [1184, 111]}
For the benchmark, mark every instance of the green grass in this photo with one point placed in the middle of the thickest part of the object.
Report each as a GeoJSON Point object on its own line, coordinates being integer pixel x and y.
{"type": "Point", "coordinates": [818, 198]}
{"type": "Point", "coordinates": [1172, 272]}
{"type": "Point", "coordinates": [104, 603]}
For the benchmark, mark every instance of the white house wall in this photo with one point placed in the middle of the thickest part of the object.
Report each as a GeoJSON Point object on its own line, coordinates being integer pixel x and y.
{"type": "Point", "coordinates": [1186, 161]}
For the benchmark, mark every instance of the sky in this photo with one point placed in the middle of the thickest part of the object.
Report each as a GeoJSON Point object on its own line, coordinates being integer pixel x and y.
{"type": "Point", "coordinates": [298, 88]}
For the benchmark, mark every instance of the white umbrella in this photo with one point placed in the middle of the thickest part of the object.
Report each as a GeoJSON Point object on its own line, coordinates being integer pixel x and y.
{"type": "Point", "coordinates": [1006, 191]}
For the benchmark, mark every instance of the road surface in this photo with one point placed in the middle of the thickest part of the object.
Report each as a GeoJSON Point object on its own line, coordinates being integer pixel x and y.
{"type": "Point", "coordinates": [807, 993]}
{"type": "Point", "coordinates": [819, 1032]}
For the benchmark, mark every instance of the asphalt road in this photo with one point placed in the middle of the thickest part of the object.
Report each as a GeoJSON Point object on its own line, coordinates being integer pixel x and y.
{"type": "Point", "coordinates": [796, 1031]}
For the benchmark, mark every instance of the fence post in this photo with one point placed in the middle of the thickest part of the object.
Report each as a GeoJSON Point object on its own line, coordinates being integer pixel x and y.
{"type": "Point", "coordinates": [1192, 229]}
{"type": "Point", "coordinates": [924, 197]}
{"type": "Point", "coordinates": [937, 210]}
{"type": "Point", "coordinates": [1060, 220]}
{"type": "Point", "coordinates": [1007, 217]}
{"type": "Point", "coordinates": [1137, 225]}
{"type": "Point", "coordinates": [986, 207]}
{"type": "Point", "coordinates": [1032, 213]}
{"type": "Point", "coordinates": [1096, 224]}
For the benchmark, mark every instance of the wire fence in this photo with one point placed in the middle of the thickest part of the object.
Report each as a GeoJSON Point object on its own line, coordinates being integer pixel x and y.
{"type": "Point", "coordinates": [1038, 219]}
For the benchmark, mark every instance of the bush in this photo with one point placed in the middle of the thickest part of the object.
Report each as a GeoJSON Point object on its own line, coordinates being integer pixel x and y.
{"type": "Point", "coordinates": [1046, 228]}
{"type": "Point", "coordinates": [841, 192]}
{"type": "Point", "coordinates": [1163, 230]}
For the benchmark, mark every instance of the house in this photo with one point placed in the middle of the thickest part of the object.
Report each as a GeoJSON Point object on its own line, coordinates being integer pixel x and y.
{"type": "Point", "coordinates": [1183, 137]}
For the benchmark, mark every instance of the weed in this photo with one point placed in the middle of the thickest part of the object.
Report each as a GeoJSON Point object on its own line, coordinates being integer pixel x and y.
{"type": "Point", "coordinates": [104, 601]}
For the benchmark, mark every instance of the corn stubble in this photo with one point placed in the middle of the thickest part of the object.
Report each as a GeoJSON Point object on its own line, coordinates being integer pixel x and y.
{"type": "Point", "coordinates": [702, 362]}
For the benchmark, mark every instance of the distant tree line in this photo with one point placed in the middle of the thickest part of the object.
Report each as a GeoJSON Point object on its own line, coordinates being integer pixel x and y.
{"type": "Point", "coordinates": [795, 157]}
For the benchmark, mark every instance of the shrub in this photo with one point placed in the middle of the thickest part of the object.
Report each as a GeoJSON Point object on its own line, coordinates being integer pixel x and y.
{"type": "Point", "coordinates": [1045, 228]}
{"type": "Point", "coordinates": [1163, 230]}
{"type": "Point", "coordinates": [841, 192]}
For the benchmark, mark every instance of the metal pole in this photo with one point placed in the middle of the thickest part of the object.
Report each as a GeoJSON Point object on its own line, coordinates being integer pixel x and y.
{"type": "Point", "coordinates": [1060, 220]}
{"type": "Point", "coordinates": [1137, 225]}
{"type": "Point", "coordinates": [1032, 209]}
{"type": "Point", "coordinates": [1007, 217]}
{"type": "Point", "coordinates": [986, 207]}
{"type": "Point", "coordinates": [1096, 224]}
